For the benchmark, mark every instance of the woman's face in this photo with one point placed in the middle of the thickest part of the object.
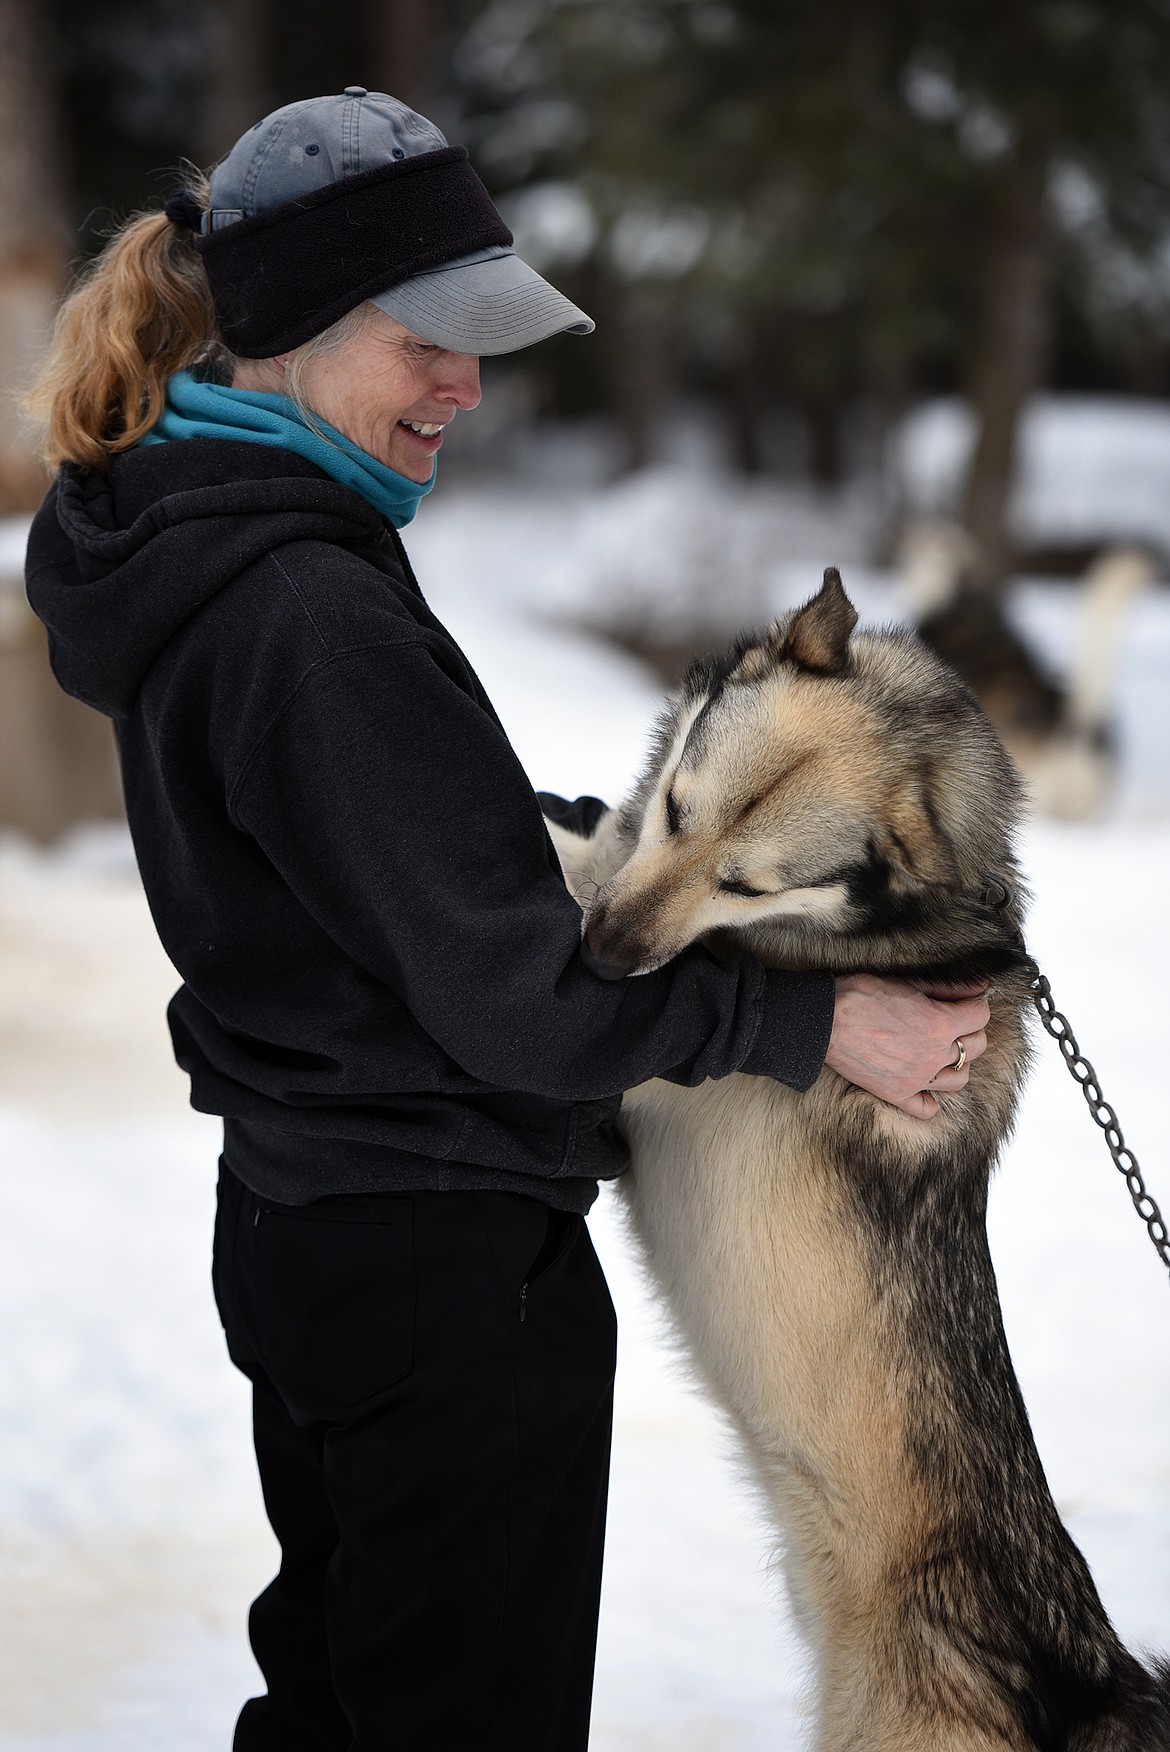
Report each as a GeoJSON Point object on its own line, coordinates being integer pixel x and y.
{"type": "Point", "coordinates": [378, 388]}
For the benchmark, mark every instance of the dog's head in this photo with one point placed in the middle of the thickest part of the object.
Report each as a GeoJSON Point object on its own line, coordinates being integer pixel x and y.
{"type": "Point", "coordinates": [812, 788]}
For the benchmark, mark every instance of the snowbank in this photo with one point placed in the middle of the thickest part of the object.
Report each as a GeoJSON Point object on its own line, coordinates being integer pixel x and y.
{"type": "Point", "coordinates": [1093, 469]}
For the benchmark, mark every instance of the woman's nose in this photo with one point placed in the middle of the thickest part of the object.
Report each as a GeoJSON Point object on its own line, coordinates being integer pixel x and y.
{"type": "Point", "coordinates": [461, 383]}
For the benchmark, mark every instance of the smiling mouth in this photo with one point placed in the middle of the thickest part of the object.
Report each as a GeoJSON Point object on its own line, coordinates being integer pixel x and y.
{"type": "Point", "coordinates": [427, 432]}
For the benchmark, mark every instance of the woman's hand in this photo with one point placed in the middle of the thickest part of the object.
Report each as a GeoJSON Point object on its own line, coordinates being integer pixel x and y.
{"type": "Point", "coordinates": [899, 1043]}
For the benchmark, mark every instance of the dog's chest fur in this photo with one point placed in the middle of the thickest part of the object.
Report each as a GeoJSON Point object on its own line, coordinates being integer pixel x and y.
{"type": "Point", "coordinates": [775, 1222]}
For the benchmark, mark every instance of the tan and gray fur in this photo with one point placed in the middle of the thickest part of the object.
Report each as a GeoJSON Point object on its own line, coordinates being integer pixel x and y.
{"type": "Point", "coordinates": [837, 800]}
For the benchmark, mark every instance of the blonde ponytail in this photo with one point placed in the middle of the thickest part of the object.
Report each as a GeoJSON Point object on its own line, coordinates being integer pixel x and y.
{"type": "Point", "coordinates": [140, 312]}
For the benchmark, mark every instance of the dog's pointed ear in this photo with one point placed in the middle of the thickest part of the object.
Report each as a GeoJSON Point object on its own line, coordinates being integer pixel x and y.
{"type": "Point", "coordinates": [816, 637]}
{"type": "Point", "coordinates": [818, 634]}
{"type": "Point", "coordinates": [915, 845]}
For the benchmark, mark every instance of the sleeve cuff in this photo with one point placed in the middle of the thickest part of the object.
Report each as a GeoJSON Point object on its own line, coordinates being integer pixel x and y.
{"type": "Point", "coordinates": [796, 1020]}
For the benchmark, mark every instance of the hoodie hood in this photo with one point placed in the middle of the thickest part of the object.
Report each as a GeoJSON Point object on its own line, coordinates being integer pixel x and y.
{"type": "Point", "coordinates": [118, 562]}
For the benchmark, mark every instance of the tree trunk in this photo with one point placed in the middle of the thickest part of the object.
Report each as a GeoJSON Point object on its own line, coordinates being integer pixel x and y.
{"type": "Point", "coordinates": [399, 38]}
{"type": "Point", "coordinates": [745, 407]}
{"type": "Point", "coordinates": [639, 367]}
{"type": "Point", "coordinates": [822, 419]}
{"type": "Point", "coordinates": [57, 761]}
{"type": "Point", "coordinates": [237, 92]}
{"type": "Point", "coordinates": [56, 756]}
{"type": "Point", "coordinates": [1010, 355]}
{"type": "Point", "coordinates": [32, 240]}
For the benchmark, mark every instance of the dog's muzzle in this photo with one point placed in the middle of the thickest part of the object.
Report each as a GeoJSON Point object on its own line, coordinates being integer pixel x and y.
{"type": "Point", "coordinates": [603, 969]}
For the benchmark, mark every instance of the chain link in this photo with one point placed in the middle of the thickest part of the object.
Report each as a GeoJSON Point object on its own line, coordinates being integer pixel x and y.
{"type": "Point", "coordinates": [1082, 1071]}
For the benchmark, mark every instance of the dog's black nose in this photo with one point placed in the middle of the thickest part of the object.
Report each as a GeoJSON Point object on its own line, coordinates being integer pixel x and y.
{"type": "Point", "coordinates": [603, 969]}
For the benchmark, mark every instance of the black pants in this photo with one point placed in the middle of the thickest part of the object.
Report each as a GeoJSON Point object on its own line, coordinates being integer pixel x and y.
{"type": "Point", "coordinates": [433, 1389]}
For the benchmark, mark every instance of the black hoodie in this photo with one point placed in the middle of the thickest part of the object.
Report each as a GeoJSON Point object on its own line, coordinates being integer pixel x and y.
{"type": "Point", "coordinates": [344, 859]}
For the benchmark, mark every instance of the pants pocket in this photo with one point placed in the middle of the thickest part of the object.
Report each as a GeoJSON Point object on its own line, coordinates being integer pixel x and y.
{"type": "Point", "coordinates": [335, 1298]}
{"type": "Point", "coordinates": [563, 1231]}
{"type": "Point", "coordinates": [530, 1241]}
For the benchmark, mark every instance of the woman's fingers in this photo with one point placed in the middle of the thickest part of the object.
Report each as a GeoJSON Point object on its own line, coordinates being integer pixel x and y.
{"type": "Point", "coordinates": [903, 1045]}
{"type": "Point", "coordinates": [920, 1106]}
{"type": "Point", "coordinates": [949, 1082]}
{"type": "Point", "coordinates": [976, 1043]}
{"type": "Point", "coordinates": [948, 993]}
{"type": "Point", "coordinates": [954, 1076]}
{"type": "Point", "coordinates": [961, 1016]}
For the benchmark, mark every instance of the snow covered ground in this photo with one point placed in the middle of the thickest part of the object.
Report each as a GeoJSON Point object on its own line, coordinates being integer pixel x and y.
{"type": "Point", "coordinates": [131, 1530]}
{"type": "Point", "coordinates": [1092, 468]}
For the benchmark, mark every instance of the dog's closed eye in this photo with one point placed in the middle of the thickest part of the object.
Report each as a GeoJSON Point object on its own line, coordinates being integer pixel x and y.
{"type": "Point", "coordinates": [743, 889]}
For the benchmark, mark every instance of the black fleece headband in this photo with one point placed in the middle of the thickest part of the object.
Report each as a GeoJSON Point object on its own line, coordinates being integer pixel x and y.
{"type": "Point", "coordinates": [283, 275]}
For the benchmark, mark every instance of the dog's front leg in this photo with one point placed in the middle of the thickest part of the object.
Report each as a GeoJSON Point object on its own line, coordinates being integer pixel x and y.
{"type": "Point", "coordinates": [588, 862]}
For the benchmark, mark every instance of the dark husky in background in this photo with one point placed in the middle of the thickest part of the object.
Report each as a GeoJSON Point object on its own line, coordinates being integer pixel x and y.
{"type": "Point", "coordinates": [841, 802]}
{"type": "Point", "coordinates": [1061, 733]}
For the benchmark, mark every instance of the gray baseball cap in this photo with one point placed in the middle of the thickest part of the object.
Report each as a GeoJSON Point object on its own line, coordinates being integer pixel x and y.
{"type": "Point", "coordinates": [486, 302]}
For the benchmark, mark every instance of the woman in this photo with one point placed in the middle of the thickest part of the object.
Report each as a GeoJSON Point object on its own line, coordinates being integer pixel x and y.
{"type": "Point", "coordinates": [383, 992]}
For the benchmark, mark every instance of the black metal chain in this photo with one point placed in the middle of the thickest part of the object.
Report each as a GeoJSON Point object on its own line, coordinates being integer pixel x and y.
{"type": "Point", "coordinates": [1082, 1071]}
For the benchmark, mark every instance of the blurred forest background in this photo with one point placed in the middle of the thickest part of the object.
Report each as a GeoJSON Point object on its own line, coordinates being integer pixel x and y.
{"type": "Point", "coordinates": [798, 218]}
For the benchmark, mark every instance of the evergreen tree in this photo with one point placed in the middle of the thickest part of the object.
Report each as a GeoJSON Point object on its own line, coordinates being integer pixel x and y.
{"type": "Point", "coordinates": [868, 195]}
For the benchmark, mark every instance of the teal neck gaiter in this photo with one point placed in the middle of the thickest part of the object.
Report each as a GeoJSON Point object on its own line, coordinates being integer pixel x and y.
{"type": "Point", "coordinates": [195, 409]}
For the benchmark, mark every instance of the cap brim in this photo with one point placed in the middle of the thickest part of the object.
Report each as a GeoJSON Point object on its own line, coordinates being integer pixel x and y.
{"type": "Point", "coordinates": [486, 303]}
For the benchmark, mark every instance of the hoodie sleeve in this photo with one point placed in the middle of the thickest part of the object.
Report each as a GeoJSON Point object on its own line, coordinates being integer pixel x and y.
{"type": "Point", "coordinates": [396, 810]}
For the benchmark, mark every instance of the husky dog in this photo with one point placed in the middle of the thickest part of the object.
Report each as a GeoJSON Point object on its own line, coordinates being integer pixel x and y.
{"type": "Point", "coordinates": [841, 802]}
{"type": "Point", "coordinates": [1060, 734]}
